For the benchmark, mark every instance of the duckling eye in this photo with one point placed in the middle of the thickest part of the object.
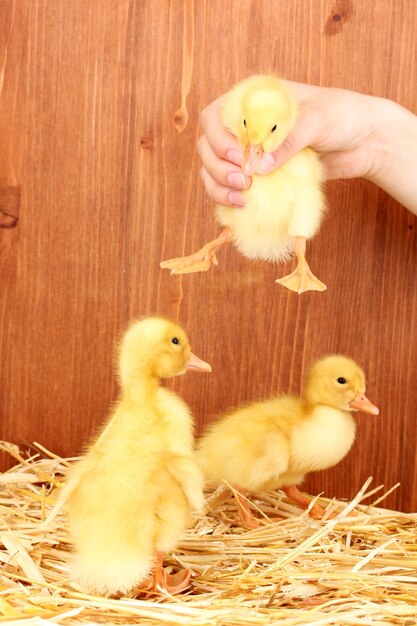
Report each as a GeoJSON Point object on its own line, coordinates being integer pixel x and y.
{"type": "Point", "coordinates": [273, 129]}
{"type": "Point", "coordinates": [342, 381]}
{"type": "Point", "coordinates": [244, 123]}
{"type": "Point", "coordinates": [175, 340]}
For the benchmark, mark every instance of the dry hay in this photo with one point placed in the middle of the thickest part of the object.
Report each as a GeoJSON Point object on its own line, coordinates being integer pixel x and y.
{"type": "Point", "coordinates": [357, 568]}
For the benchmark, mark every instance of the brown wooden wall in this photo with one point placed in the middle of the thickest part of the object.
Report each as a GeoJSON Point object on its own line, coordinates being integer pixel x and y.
{"type": "Point", "coordinates": [97, 185]}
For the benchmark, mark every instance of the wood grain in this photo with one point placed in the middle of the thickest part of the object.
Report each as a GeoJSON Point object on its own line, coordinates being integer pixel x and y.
{"type": "Point", "coordinates": [106, 187]}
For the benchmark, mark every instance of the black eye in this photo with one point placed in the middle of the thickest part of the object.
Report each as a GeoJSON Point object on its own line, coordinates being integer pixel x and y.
{"type": "Point", "coordinates": [342, 381]}
{"type": "Point", "coordinates": [244, 123]}
{"type": "Point", "coordinates": [273, 129]}
{"type": "Point", "coordinates": [175, 340]}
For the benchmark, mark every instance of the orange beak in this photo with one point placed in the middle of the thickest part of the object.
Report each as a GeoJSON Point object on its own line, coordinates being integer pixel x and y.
{"type": "Point", "coordinates": [361, 403]}
{"type": "Point", "coordinates": [194, 363]}
{"type": "Point", "coordinates": [252, 158]}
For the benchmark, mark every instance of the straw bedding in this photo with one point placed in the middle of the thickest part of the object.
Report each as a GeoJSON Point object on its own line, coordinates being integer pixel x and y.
{"type": "Point", "coordinates": [359, 567]}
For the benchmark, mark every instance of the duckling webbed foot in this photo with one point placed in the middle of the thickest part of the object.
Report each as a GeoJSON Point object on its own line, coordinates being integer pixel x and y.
{"type": "Point", "coordinates": [174, 583]}
{"type": "Point", "coordinates": [200, 261]}
{"type": "Point", "coordinates": [246, 518]}
{"type": "Point", "coordinates": [302, 278]}
{"type": "Point", "coordinates": [294, 494]}
{"type": "Point", "coordinates": [160, 578]}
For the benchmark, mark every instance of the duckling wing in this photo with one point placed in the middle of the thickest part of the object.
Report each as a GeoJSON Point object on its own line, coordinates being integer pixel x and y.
{"type": "Point", "coordinates": [246, 449]}
{"type": "Point", "coordinates": [184, 470]}
{"type": "Point", "coordinates": [271, 461]}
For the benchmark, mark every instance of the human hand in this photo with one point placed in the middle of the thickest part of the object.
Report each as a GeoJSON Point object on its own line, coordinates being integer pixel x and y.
{"type": "Point", "coordinates": [355, 134]}
{"type": "Point", "coordinates": [221, 156]}
{"type": "Point", "coordinates": [339, 125]}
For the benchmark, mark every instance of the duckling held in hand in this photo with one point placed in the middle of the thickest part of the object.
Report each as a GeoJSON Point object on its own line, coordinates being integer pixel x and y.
{"type": "Point", "coordinates": [273, 444]}
{"type": "Point", "coordinates": [131, 496]}
{"type": "Point", "coordinates": [283, 209]}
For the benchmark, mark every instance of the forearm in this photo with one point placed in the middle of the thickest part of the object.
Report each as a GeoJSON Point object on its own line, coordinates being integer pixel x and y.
{"type": "Point", "coordinates": [395, 161]}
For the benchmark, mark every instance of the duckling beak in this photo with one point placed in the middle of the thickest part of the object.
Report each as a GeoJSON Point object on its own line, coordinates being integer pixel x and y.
{"type": "Point", "coordinates": [252, 158]}
{"type": "Point", "coordinates": [361, 403]}
{"type": "Point", "coordinates": [194, 363]}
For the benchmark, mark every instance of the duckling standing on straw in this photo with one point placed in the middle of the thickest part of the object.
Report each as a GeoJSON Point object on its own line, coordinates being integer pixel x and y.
{"type": "Point", "coordinates": [130, 497]}
{"type": "Point", "coordinates": [283, 209]}
{"type": "Point", "coordinates": [273, 444]}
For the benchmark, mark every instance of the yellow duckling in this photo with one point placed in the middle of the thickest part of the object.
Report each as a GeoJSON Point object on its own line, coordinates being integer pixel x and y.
{"type": "Point", "coordinates": [283, 209]}
{"type": "Point", "coordinates": [273, 444]}
{"type": "Point", "coordinates": [130, 497]}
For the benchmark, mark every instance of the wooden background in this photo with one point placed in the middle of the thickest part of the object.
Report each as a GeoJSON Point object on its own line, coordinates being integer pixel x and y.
{"type": "Point", "coordinates": [97, 185]}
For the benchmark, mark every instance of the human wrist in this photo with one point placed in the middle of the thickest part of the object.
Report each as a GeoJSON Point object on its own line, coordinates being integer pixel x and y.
{"type": "Point", "coordinates": [393, 146]}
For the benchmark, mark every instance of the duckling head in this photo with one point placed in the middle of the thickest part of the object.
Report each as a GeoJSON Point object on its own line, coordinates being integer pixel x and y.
{"type": "Point", "coordinates": [339, 382]}
{"type": "Point", "coordinates": [156, 347]}
{"type": "Point", "coordinates": [269, 111]}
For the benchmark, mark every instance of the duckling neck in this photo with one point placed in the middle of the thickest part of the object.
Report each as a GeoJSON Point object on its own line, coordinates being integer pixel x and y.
{"type": "Point", "coordinates": [311, 408]}
{"type": "Point", "coordinates": [138, 389]}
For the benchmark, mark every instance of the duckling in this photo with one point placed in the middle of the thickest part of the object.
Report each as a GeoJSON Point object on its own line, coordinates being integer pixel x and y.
{"type": "Point", "coordinates": [272, 444]}
{"type": "Point", "coordinates": [131, 496]}
{"type": "Point", "coordinates": [283, 209]}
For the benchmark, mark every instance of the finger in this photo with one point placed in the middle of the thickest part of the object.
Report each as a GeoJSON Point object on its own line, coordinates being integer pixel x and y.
{"type": "Point", "coordinates": [306, 130]}
{"type": "Point", "coordinates": [219, 193]}
{"type": "Point", "coordinates": [223, 172]}
{"type": "Point", "coordinates": [304, 134]}
{"type": "Point", "coordinates": [303, 91]}
{"type": "Point", "coordinates": [223, 143]}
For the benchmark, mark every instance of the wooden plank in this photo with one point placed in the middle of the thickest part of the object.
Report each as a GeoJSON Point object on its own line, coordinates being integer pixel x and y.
{"type": "Point", "coordinates": [106, 187]}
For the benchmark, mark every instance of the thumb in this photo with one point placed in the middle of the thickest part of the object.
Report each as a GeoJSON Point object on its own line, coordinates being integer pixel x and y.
{"type": "Point", "coordinates": [300, 137]}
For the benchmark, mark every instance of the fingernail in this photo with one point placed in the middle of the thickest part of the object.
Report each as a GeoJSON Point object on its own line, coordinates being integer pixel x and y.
{"type": "Point", "coordinates": [236, 180]}
{"type": "Point", "coordinates": [236, 198]}
{"type": "Point", "coordinates": [235, 156]}
{"type": "Point", "coordinates": [268, 161]}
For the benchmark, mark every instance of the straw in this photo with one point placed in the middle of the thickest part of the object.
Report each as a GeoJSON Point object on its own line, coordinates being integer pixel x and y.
{"type": "Point", "coordinates": [357, 567]}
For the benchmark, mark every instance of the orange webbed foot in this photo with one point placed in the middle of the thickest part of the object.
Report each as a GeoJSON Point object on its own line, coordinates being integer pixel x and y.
{"type": "Point", "coordinates": [294, 494]}
{"type": "Point", "coordinates": [301, 280]}
{"type": "Point", "coordinates": [245, 516]}
{"type": "Point", "coordinates": [317, 512]}
{"type": "Point", "coordinates": [172, 583]}
{"type": "Point", "coordinates": [175, 583]}
{"type": "Point", "coordinates": [200, 261]}
{"type": "Point", "coordinates": [161, 579]}
{"type": "Point", "coordinates": [248, 522]}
